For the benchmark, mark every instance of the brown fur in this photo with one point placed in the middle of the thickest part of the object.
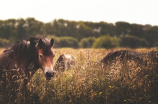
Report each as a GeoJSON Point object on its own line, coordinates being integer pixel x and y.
{"type": "Point", "coordinates": [22, 60]}
{"type": "Point", "coordinates": [130, 55]}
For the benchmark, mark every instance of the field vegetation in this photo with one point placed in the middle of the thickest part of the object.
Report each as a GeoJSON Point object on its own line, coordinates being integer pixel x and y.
{"type": "Point", "coordinates": [89, 83]}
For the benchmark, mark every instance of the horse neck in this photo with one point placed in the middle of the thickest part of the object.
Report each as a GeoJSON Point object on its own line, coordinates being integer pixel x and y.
{"type": "Point", "coordinates": [5, 59]}
{"type": "Point", "coordinates": [25, 62]}
{"type": "Point", "coordinates": [27, 68]}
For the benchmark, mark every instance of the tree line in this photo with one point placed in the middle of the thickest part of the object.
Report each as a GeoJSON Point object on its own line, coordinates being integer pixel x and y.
{"type": "Point", "coordinates": [80, 33]}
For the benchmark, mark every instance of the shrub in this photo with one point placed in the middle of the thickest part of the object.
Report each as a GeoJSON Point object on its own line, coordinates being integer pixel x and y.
{"type": "Point", "coordinates": [87, 42]}
{"type": "Point", "coordinates": [133, 42]}
{"type": "Point", "coordinates": [3, 42]}
{"type": "Point", "coordinates": [68, 42]}
{"type": "Point", "coordinates": [106, 42]}
{"type": "Point", "coordinates": [64, 41]}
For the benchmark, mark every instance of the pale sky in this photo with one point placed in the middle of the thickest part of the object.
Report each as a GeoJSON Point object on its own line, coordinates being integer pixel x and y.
{"type": "Point", "coordinates": [111, 11]}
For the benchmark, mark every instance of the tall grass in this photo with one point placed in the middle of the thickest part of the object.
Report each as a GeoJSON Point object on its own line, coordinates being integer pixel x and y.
{"type": "Point", "coordinates": [89, 83]}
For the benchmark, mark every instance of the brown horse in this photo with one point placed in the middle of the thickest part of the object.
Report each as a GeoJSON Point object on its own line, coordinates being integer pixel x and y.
{"type": "Point", "coordinates": [130, 55]}
{"type": "Point", "coordinates": [24, 58]}
{"type": "Point", "coordinates": [64, 62]}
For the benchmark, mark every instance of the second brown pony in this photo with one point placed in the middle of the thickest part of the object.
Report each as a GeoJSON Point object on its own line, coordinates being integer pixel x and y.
{"type": "Point", "coordinates": [64, 62]}
{"type": "Point", "coordinates": [131, 55]}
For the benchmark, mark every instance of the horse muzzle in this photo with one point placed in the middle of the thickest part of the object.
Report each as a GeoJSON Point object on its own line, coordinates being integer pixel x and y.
{"type": "Point", "coordinates": [49, 75]}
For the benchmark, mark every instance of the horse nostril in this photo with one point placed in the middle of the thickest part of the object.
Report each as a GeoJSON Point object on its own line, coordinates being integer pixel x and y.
{"type": "Point", "coordinates": [52, 73]}
{"type": "Point", "coordinates": [49, 74]}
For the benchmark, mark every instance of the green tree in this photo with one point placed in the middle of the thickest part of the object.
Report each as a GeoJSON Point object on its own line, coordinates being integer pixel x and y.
{"type": "Point", "coordinates": [33, 27]}
{"type": "Point", "coordinates": [84, 31]}
{"type": "Point", "coordinates": [122, 28]}
{"type": "Point", "coordinates": [8, 29]}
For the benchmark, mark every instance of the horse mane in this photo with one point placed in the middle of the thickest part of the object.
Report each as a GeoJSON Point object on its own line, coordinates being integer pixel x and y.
{"type": "Point", "coordinates": [22, 47]}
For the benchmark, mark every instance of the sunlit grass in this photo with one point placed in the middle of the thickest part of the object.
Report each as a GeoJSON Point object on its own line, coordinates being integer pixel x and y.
{"type": "Point", "coordinates": [88, 83]}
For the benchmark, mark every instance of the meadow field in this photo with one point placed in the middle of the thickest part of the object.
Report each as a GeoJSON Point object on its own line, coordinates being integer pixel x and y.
{"type": "Point", "coordinates": [89, 83]}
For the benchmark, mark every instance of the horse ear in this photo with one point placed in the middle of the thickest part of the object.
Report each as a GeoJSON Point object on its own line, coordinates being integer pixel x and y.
{"type": "Point", "coordinates": [51, 42]}
{"type": "Point", "coordinates": [32, 42]}
{"type": "Point", "coordinates": [40, 43]}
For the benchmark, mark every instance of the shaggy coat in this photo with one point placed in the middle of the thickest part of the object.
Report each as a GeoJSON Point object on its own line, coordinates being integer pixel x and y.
{"type": "Point", "coordinates": [25, 57]}
{"type": "Point", "coordinates": [131, 55]}
{"type": "Point", "coordinates": [64, 62]}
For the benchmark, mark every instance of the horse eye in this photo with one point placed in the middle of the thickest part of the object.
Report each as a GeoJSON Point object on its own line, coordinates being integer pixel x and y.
{"type": "Point", "coordinates": [40, 56]}
{"type": "Point", "coordinates": [53, 55]}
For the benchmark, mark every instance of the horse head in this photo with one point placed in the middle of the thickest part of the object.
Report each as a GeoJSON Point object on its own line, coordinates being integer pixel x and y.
{"type": "Point", "coordinates": [44, 56]}
{"type": "Point", "coordinates": [64, 62]}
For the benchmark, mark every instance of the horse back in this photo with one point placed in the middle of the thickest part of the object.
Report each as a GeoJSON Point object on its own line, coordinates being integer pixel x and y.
{"type": "Point", "coordinates": [122, 55]}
